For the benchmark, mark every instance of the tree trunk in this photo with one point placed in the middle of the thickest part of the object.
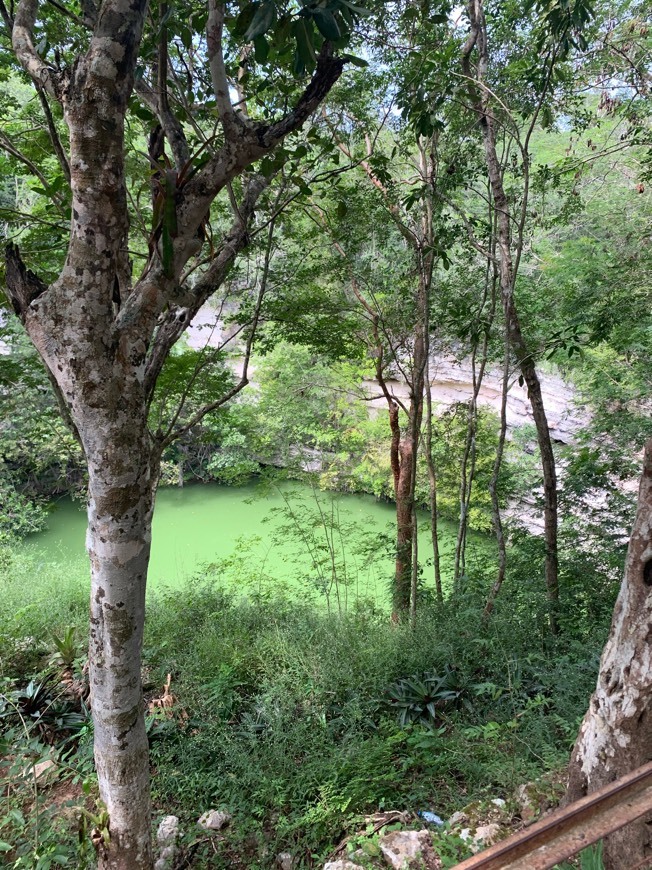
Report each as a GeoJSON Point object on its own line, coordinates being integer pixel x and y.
{"type": "Point", "coordinates": [508, 268]}
{"type": "Point", "coordinates": [467, 470]}
{"type": "Point", "coordinates": [121, 488]}
{"type": "Point", "coordinates": [548, 466]}
{"type": "Point", "coordinates": [402, 494]}
{"type": "Point", "coordinates": [432, 484]}
{"type": "Point", "coordinates": [405, 474]}
{"type": "Point", "coordinates": [105, 339]}
{"type": "Point", "coordinates": [616, 734]}
{"type": "Point", "coordinates": [493, 492]}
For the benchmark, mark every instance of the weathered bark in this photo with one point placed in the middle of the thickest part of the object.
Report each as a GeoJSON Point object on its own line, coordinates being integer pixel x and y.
{"type": "Point", "coordinates": [121, 484]}
{"type": "Point", "coordinates": [107, 404]}
{"type": "Point", "coordinates": [508, 267]}
{"type": "Point", "coordinates": [616, 733]}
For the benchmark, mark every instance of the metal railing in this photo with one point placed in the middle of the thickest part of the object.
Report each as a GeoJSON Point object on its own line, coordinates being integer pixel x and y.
{"type": "Point", "coordinates": [567, 831]}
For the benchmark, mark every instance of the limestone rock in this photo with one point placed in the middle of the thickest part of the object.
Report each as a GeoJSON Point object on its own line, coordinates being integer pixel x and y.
{"type": "Point", "coordinates": [527, 806]}
{"type": "Point", "coordinates": [214, 820]}
{"type": "Point", "coordinates": [166, 837]}
{"type": "Point", "coordinates": [44, 773]}
{"type": "Point", "coordinates": [342, 865]}
{"type": "Point", "coordinates": [403, 850]}
{"type": "Point", "coordinates": [284, 860]}
{"type": "Point", "coordinates": [482, 837]}
{"type": "Point", "coordinates": [485, 835]}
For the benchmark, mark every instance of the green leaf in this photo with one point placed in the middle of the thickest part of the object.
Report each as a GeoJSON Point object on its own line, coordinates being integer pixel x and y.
{"type": "Point", "coordinates": [357, 10]}
{"type": "Point", "coordinates": [185, 35]}
{"type": "Point", "coordinates": [303, 33]}
{"type": "Point", "coordinates": [263, 20]}
{"type": "Point", "coordinates": [244, 19]}
{"type": "Point", "coordinates": [261, 49]}
{"type": "Point", "coordinates": [356, 61]}
{"type": "Point", "coordinates": [327, 24]}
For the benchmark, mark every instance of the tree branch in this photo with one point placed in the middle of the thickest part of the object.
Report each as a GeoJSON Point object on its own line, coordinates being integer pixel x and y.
{"type": "Point", "coordinates": [22, 40]}
{"type": "Point", "coordinates": [169, 122]}
{"type": "Point", "coordinates": [254, 141]}
{"type": "Point", "coordinates": [233, 123]}
{"type": "Point", "coordinates": [54, 136]}
{"type": "Point", "coordinates": [173, 435]}
{"type": "Point", "coordinates": [178, 319]}
{"type": "Point", "coordinates": [23, 286]}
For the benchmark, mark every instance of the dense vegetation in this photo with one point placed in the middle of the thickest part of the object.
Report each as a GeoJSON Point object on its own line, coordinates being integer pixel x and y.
{"type": "Point", "coordinates": [472, 189]}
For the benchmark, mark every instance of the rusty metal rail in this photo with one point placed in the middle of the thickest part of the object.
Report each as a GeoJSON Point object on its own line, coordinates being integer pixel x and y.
{"type": "Point", "coordinates": [567, 831]}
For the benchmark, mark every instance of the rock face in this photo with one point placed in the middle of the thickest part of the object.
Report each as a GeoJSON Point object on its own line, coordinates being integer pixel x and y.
{"type": "Point", "coordinates": [483, 836]}
{"type": "Point", "coordinates": [452, 381]}
{"type": "Point", "coordinates": [44, 773]}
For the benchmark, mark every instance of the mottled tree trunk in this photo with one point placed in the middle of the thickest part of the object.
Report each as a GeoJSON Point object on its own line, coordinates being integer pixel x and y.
{"type": "Point", "coordinates": [104, 340]}
{"type": "Point", "coordinates": [121, 489]}
{"type": "Point", "coordinates": [616, 734]}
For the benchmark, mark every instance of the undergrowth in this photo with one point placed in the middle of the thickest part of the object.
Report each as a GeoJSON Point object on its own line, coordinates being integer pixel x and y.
{"type": "Point", "coordinates": [297, 722]}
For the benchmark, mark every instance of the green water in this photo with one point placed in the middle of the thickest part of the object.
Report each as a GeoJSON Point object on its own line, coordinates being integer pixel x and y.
{"type": "Point", "coordinates": [287, 536]}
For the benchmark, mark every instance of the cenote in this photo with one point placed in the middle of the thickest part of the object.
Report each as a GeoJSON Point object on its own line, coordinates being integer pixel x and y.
{"type": "Point", "coordinates": [257, 538]}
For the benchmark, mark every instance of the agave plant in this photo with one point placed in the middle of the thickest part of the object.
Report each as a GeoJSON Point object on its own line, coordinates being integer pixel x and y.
{"type": "Point", "coordinates": [39, 705]}
{"type": "Point", "coordinates": [426, 699]}
{"type": "Point", "coordinates": [66, 649]}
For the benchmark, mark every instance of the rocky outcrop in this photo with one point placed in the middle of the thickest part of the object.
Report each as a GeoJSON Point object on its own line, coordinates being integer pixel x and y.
{"type": "Point", "coordinates": [451, 380]}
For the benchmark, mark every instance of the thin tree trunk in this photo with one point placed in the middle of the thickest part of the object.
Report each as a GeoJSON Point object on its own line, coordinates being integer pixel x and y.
{"type": "Point", "coordinates": [432, 483]}
{"type": "Point", "coordinates": [548, 465]}
{"type": "Point", "coordinates": [616, 734]}
{"type": "Point", "coordinates": [402, 494]}
{"type": "Point", "coordinates": [507, 275]}
{"type": "Point", "coordinates": [493, 491]}
{"type": "Point", "coordinates": [469, 457]}
{"type": "Point", "coordinates": [415, 567]}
